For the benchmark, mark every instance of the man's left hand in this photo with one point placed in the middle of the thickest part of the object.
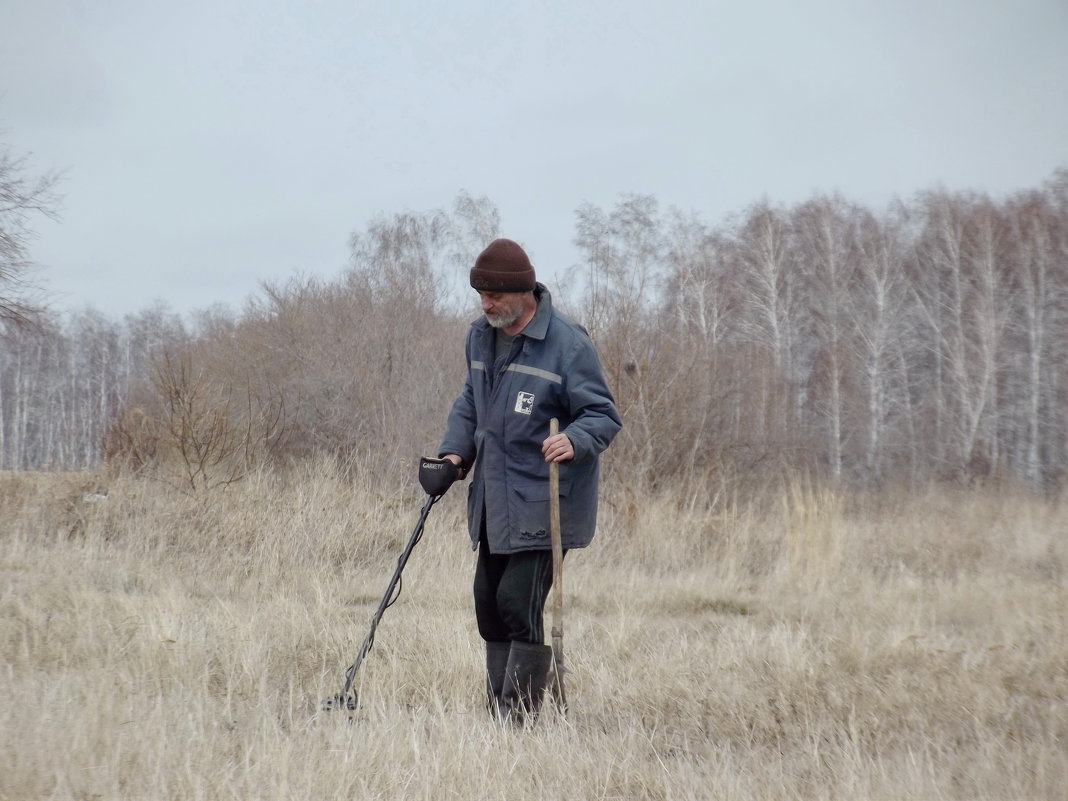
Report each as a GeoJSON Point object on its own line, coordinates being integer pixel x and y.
{"type": "Point", "coordinates": [558, 448]}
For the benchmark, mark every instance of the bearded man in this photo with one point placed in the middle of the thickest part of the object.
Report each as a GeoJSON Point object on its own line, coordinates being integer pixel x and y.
{"type": "Point", "coordinates": [527, 363]}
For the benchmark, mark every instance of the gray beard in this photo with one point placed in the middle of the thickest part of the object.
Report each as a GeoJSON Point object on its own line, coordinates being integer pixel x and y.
{"type": "Point", "coordinates": [503, 321]}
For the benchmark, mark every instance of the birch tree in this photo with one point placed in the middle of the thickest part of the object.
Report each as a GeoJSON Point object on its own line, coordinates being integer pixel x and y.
{"type": "Point", "coordinates": [1040, 329]}
{"type": "Point", "coordinates": [825, 234]}
{"type": "Point", "coordinates": [965, 297]}
{"type": "Point", "coordinates": [879, 314]}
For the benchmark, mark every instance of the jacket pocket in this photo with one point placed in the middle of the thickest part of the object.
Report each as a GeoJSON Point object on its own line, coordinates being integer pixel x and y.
{"type": "Point", "coordinates": [529, 508]}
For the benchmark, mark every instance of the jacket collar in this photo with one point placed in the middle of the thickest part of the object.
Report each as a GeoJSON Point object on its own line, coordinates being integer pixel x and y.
{"type": "Point", "coordinates": [539, 323]}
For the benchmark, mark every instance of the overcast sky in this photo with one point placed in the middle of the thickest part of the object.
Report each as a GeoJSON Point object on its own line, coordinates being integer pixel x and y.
{"type": "Point", "coordinates": [212, 144]}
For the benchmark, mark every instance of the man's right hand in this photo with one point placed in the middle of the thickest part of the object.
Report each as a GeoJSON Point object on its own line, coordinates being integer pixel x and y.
{"type": "Point", "coordinates": [437, 475]}
{"type": "Point", "coordinates": [456, 460]}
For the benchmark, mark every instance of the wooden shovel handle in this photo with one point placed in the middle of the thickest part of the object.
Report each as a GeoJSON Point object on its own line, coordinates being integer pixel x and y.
{"type": "Point", "coordinates": [557, 545]}
{"type": "Point", "coordinates": [558, 573]}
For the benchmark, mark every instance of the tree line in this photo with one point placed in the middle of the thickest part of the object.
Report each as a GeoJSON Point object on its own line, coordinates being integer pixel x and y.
{"type": "Point", "coordinates": [927, 341]}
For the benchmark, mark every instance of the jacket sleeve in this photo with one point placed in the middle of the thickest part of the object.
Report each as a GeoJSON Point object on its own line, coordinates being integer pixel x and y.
{"type": "Point", "coordinates": [595, 421]}
{"type": "Point", "coordinates": [459, 437]}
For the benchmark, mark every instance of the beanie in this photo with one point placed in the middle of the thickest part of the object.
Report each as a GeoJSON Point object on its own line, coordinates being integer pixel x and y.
{"type": "Point", "coordinates": [503, 267]}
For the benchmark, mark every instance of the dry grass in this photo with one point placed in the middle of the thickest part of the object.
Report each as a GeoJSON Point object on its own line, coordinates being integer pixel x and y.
{"type": "Point", "coordinates": [157, 647]}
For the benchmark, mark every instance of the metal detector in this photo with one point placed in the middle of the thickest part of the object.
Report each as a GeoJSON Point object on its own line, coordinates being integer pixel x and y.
{"type": "Point", "coordinates": [435, 476]}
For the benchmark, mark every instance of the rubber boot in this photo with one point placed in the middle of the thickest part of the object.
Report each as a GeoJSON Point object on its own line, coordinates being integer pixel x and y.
{"type": "Point", "coordinates": [525, 680]}
{"type": "Point", "coordinates": [496, 665]}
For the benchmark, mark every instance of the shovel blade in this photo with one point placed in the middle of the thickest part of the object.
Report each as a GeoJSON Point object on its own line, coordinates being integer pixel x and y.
{"type": "Point", "coordinates": [556, 676]}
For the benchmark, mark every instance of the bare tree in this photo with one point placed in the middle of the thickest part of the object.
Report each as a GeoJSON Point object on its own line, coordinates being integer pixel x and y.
{"type": "Point", "coordinates": [768, 290]}
{"type": "Point", "coordinates": [1039, 262]}
{"type": "Point", "coordinates": [880, 313]}
{"type": "Point", "coordinates": [964, 294]}
{"type": "Point", "coordinates": [624, 254]}
{"type": "Point", "coordinates": [21, 197]}
{"type": "Point", "coordinates": [825, 230]}
{"type": "Point", "coordinates": [763, 252]}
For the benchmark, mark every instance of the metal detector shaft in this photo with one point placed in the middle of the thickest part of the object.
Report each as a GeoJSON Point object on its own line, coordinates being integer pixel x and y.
{"type": "Point", "coordinates": [344, 699]}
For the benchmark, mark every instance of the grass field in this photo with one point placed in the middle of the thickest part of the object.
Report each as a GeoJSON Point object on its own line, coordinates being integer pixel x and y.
{"type": "Point", "coordinates": [157, 646]}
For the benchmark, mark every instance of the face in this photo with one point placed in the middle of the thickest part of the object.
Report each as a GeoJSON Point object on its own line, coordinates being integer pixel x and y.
{"type": "Point", "coordinates": [502, 309]}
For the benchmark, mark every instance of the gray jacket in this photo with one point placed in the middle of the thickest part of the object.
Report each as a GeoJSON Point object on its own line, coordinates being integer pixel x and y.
{"type": "Point", "coordinates": [499, 422]}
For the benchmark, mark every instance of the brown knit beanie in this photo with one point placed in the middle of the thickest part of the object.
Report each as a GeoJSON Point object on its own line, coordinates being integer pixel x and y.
{"type": "Point", "coordinates": [503, 267]}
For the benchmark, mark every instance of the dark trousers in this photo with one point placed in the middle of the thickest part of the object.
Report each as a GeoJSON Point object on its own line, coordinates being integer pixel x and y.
{"type": "Point", "coordinates": [510, 592]}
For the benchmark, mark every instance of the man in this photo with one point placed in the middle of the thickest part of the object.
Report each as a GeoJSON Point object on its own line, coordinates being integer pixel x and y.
{"type": "Point", "coordinates": [526, 363]}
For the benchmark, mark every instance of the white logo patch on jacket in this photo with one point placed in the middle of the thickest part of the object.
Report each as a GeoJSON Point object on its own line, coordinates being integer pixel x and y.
{"type": "Point", "coordinates": [524, 403]}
